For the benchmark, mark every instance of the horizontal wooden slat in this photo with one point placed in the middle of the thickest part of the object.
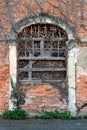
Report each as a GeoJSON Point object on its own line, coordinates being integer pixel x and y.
{"type": "Point", "coordinates": [42, 39]}
{"type": "Point", "coordinates": [42, 69]}
{"type": "Point", "coordinates": [41, 58]}
{"type": "Point", "coordinates": [48, 49]}
{"type": "Point", "coordinates": [48, 81]}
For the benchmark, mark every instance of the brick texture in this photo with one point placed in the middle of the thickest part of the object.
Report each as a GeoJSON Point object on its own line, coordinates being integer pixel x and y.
{"type": "Point", "coordinates": [41, 97]}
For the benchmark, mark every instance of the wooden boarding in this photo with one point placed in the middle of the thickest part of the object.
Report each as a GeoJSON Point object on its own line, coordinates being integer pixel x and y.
{"type": "Point", "coordinates": [42, 42]}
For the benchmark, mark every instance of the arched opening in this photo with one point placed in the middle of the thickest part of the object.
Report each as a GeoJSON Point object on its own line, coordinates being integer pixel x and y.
{"type": "Point", "coordinates": [42, 54]}
{"type": "Point", "coordinates": [29, 58]}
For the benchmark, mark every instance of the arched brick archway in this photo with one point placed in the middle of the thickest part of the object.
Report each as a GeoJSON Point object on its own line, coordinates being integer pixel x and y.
{"type": "Point", "coordinates": [71, 57]}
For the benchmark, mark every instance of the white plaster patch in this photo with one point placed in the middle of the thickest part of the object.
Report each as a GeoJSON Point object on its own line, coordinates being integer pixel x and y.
{"type": "Point", "coordinates": [13, 68]}
{"type": "Point", "coordinates": [71, 82]}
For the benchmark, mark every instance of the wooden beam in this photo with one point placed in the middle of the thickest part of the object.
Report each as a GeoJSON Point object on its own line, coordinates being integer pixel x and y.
{"type": "Point", "coordinates": [29, 72]}
{"type": "Point", "coordinates": [41, 58]}
{"type": "Point", "coordinates": [42, 39]}
{"type": "Point", "coordinates": [43, 80]}
{"type": "Point", "coordinates": [42, 48]}
{"type": "Point", "coordinates": [42, 69]}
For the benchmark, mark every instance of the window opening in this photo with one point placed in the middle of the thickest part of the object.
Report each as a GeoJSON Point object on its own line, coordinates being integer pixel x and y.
{"type": "Point", "coordinates": [42, 53]}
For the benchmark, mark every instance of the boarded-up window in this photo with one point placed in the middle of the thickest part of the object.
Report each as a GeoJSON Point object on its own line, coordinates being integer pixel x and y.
{"type": "Point", "coordinates": [42, 53]}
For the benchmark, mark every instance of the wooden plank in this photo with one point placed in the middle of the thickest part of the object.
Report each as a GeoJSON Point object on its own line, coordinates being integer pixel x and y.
{"type": "Point", "coordinates": [41, 58]}
{"type": "Point", "coordinates": [42, 39]}
{"type": "Point", "coordinates": [38, 31]}
{"type": "Point", "coordinates": [33, 47]}
{"type": "Point", "coordinates": [44, 80]}
{"type": "Point", "coordinates": [42, 48]}
{"type": "Point", "coordinates": [30, 71]}
{"type": "Point", "coordinates": [42, 69]}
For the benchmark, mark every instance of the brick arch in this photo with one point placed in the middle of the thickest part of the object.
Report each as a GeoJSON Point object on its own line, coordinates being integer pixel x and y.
{"type": "Point", "coordinates": [71, 59]}
{"type": "Point", "coordinates": [43, 18]}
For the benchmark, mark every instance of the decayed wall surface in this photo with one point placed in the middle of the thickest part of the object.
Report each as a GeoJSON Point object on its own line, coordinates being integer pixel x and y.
{"type": "Point", "coordinates": [42, 97]}
{"type": "Point", "coordinates": [82, 80]}
{"type": "Point", "coordinates": [4, 77]}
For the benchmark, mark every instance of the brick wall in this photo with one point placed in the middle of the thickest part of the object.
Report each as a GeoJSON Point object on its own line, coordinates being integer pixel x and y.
{"type": "Point", "coordinates": [82, 79]}
{"type": "Point", "coordinates": [40, 97]}
{"type": "Point", "coordinates": [4, 77]}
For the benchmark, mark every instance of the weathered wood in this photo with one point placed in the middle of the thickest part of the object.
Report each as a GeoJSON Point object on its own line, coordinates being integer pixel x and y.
{"type": "Point", "coordinates": [43, 80]}
{"type": "Point", "coordinates": [27, 39]}
{"type": "Point", "coordinates": [42, 69]}
{"type": "Point", "coordinates": [41, 58]}
{"type": "Point", "coordinates": [42, 48]}
{"type": "Point", "coordinates": [42, 42]}
{"type": "Point", "coordinates": [30, 72]}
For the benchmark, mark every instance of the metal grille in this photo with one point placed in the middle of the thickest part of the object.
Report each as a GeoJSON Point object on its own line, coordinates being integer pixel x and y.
{"type": "Point", "coordinates": [42, 53]}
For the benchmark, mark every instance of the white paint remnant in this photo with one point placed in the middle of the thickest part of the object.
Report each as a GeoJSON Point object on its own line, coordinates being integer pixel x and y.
{"type": "Point", "coordinates": [13, 69]}
{"type": "Point", "coordinates": [71, 82]}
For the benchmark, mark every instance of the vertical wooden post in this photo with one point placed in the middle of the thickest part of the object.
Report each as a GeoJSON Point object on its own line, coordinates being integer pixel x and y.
{"type": "Point", "coordinates": [42, 48]}
{"type": "Point", "coordinates": [30, 70]}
